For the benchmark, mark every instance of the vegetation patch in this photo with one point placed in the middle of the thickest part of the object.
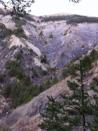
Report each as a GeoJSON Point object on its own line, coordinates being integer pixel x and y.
{"type": "Point", "coordinates": [19, 32]}
{"type": "Point", "coordinates": [21, 92]}
{"type": "Point", "coordinates": [71, 69]}
{"type": "Point", "coordinates": [48, 83]}
{"type": "Point", "coordinates": [14, 69]}
{"type": "Point", "coordinates": [73, 109]}
{"type": "Point", "coordinates": [4, 32]}
{"type": "Point", "coordinates": [20, 89]}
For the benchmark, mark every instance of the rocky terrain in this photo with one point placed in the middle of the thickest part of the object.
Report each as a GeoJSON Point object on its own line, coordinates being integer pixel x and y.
{"type": "Point", "coordinates": [33, 54]}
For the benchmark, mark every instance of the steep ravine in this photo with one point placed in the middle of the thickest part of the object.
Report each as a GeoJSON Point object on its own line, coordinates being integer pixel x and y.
{"type": "Point", "coordinates": [33, 53]}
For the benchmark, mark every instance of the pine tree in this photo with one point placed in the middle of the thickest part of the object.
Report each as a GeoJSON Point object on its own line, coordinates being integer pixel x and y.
{"type": "Point", "coordinates": [95, 115]}
{"type": "Point", "coordinates": [83, 98]}
{"type": "Point", "coordinates": [94, 124]}
{"type": "Point", "coordinates": [55, 118]}
{"type": "Point", "coordinates": [72, 110]}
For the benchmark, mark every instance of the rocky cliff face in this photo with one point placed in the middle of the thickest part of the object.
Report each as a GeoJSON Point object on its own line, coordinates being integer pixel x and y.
{"type": "Point", "coordinates": [36, 49]}
{"type": "Point", "coordinates": [58, 39]}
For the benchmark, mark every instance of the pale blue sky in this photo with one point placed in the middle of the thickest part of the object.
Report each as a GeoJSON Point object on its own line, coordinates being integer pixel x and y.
{"type": "Point", "coordinates": [48, 7]}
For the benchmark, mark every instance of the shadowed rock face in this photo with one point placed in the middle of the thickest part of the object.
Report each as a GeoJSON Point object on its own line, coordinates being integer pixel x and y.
{"type": "Point", "coordinates": [67, 42]}
{"type": "Point", "coordinates": [62, 42]}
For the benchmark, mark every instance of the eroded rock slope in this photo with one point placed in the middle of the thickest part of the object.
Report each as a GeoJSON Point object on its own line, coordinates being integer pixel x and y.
{"type": "Point", "coordinates": [33, 51]}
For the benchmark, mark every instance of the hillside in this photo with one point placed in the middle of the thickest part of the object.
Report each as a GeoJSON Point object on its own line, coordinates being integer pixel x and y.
{"type": "Point", "coordinates": [34, 54]}
{"type": "Point", "coordinates": [27, 117]}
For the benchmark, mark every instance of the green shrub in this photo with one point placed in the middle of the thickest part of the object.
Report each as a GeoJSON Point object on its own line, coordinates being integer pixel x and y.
{"type": "Point", "coordinates": [70, 70]}
{"type": "Point", "coordinates": [94, 55]}
{"type": "Point", "coordinates": [88, 60]}
{"type": "Point", "coordinates": [20, 92]}
{"type": "Point", "coordinates": [23, 91]}
{"type": "Point", "coordinates": [86, 63]}
{"type": "Point", "coordinates": [48, 83]}
{"type": "Point", "coordinates": [14, 69]}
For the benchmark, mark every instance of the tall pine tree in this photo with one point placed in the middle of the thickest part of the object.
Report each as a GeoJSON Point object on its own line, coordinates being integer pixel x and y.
{"type": "Point", "coordinates": [71, 110]}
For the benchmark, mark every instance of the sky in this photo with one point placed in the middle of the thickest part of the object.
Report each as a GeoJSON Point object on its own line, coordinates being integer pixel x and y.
{"type": "Point", "coordinates": [50, 7]}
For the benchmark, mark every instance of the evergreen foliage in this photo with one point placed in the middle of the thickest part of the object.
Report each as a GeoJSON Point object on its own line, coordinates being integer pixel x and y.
{"type": "Point", "coordinates": [94, 124]}
{"type": "Point", "coordinates": [71, 69]}
{"type": "Point", "coordinates": [21, 89]}
{"type": "Point", "coordinates": [55, 117]}
{"type": "Point", "coordinates": [19, 6]}
{"type": "Point", "coordinates": [73, 108]}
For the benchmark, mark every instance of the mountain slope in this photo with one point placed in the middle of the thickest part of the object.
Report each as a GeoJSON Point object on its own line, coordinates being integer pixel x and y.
{"type": "Point", "coordinates": [29, 113]}
{"type": "Point", "coordinates": [33, 54]}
